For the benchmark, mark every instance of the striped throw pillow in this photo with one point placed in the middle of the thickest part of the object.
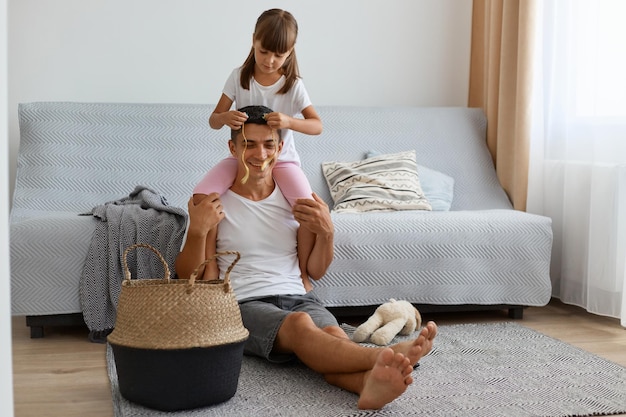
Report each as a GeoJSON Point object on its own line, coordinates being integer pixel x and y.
{"type": "Point", "coordinates": [380, 183]}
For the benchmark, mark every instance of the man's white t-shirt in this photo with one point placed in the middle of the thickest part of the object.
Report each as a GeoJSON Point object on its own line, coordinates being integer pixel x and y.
{"type": "Point", "coordinates": [265, 234]}
{"type": "Point", "coordinates": [292, 103]}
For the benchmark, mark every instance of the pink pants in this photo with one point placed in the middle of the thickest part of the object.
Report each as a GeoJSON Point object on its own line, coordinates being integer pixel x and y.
{"type": "Point", "coordinates": [288, 175]}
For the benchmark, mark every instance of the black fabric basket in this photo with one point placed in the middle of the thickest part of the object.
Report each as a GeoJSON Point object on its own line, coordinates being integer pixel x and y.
{"type": "Point", "coordinates": [181, 379]}
{"type": "Point", "coordinates": [177, 344]}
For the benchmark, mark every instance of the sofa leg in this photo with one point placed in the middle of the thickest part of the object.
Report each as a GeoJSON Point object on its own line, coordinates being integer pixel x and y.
{"type": "Point", "coordinates": [36, 326]}
{"type": "Point", "coordinates": [36, 332]}
{"type": "Point", "coordinates": [516, 313]}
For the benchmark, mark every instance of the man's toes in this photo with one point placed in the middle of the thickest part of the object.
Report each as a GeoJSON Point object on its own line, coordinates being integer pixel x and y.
{"type": "Point", "coordinates": [401, 362]}
{"type": "Point", "coordinates": [386, 357]}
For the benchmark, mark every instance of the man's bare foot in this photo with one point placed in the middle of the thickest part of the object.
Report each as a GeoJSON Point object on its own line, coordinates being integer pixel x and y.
{"type": "Point", "coordinates": [386, 381]}
{"type": "Point", "coordinates": [419, 347]}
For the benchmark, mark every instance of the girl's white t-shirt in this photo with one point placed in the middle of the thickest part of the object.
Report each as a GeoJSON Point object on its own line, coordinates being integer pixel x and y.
{"type": "Point", "coordinates": [269, 262]}
{"type": "Point", "coordinates": [291, 103]}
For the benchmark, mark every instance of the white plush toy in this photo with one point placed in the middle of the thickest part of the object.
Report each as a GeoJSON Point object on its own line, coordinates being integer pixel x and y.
{"type": "Point", "coordinates": [388, 320]}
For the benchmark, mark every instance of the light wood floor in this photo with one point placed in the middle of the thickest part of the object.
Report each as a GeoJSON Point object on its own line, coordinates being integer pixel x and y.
{"type": "Point", "coordinates": [65, 375]}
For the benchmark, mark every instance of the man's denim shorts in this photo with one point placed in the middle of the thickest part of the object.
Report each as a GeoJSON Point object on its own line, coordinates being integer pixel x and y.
{"type": "Point", "coordinates": [263, 317]}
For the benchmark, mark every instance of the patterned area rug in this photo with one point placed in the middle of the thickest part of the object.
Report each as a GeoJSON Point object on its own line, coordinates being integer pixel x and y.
{"type": "Point", "coordinates": [499, 369]}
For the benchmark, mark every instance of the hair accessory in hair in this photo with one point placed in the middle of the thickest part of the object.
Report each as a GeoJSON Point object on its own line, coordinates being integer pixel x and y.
{"type": "Point", "coordinates": [256, 114]}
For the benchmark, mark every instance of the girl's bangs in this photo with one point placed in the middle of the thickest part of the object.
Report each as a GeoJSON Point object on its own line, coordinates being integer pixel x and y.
{"type": "Point", "coordinates": [279, 40]}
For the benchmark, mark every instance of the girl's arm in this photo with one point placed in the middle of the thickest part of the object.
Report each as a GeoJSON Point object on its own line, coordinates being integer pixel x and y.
{"type": "Point", "coordinates": [223, 116]}
{"type": "Point", "coordinates": [310, 125]}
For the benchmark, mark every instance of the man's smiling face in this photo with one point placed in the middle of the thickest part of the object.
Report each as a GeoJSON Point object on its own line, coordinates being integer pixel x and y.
{"type": "Point", "coordinates": [256, 149]}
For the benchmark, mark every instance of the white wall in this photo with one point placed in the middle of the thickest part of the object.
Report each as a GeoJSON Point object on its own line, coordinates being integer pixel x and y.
{"type": "Point", "coordinates": [351, 52]}
{"type": "Point", "coordinates": [6, 375]}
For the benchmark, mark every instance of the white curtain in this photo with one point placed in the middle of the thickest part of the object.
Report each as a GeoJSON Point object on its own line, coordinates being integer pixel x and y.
{"type": "Point", "coordinates": [578, 149]}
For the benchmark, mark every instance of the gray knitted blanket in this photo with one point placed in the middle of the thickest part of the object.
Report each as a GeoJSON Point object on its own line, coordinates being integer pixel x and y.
{"type": "Point", "coordinates": [142, 217]}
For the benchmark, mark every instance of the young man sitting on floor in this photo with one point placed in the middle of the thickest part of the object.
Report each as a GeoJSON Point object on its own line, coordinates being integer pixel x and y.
{"type": "Point", "coordinates": [284, 320]}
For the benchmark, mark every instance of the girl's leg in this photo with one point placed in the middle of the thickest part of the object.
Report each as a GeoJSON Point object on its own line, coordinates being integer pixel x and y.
{"type": "Point", "coordinates": [292, 181]}
{"type": "Point", "coordinates": [219, 178]}
{"type": "Point", "coordinates": [294, 185]}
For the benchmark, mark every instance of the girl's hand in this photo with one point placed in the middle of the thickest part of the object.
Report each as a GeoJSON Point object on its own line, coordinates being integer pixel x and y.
{"type": "Point", "coordinates": [277, 120]}
{"type": "Point", "coordinates": [234, 119]}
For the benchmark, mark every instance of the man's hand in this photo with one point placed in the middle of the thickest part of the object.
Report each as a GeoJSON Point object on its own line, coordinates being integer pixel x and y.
{"type": "Point", "coordinates": [205, 212]}
{"type": "Point", "coordinates": [314, 215]}
{"type": "Point", "coordinates": [317, 250]}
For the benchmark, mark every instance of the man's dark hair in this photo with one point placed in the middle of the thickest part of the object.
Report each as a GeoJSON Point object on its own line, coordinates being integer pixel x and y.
{"type": "Point", "coordinates": [256, 115]}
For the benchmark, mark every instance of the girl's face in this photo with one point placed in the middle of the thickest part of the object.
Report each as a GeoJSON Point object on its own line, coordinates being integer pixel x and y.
{"type": "Point", "coordinates": [268, 62]}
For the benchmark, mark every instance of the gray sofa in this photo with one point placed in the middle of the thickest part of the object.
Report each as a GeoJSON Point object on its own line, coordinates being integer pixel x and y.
{"type": "Point", "coordinates": [478, 254]}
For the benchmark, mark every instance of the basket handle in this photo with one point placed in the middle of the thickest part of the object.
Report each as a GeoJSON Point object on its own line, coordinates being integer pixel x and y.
{"type": "Point", "coordinates": [166, 269]}
{"type": "Point", "coordinates": [195, 272]}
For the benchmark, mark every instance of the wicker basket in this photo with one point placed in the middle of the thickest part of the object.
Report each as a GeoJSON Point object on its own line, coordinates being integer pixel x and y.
{"type": "Point", "coordinates": [178, 344]}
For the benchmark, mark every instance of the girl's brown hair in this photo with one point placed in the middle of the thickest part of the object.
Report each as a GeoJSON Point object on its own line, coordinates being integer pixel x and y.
{"type": "Point", "coordinates": [277, 31]}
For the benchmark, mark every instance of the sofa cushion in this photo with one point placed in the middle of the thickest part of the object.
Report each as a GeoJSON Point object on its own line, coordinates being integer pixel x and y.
{"type": "Point", "coordinates": [448, 139]}
{"type": "Point", "coordinates": [439, 258]}
{"type": "Point", "coordinates": [381, 183]}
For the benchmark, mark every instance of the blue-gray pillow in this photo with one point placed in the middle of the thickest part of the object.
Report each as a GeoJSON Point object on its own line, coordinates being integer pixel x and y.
{"type": "Point", "coordinates": [437, 186]}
